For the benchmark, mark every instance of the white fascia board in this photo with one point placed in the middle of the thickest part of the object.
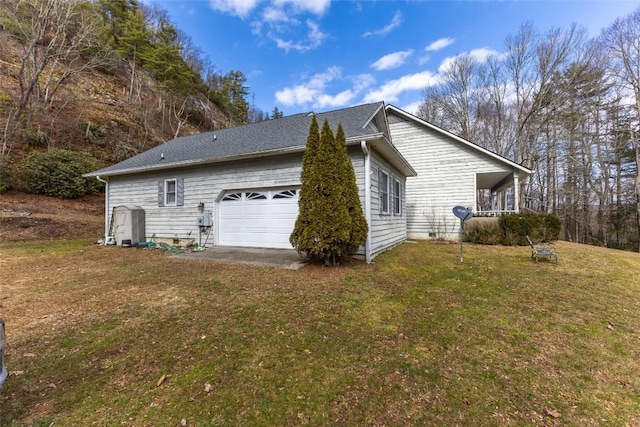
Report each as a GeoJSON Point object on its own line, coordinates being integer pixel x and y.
{"type": "Point", "coordinates": [199, 162]}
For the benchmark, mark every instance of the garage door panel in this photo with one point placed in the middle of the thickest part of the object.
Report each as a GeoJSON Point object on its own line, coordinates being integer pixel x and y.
{"type": "Point", "coordinates": [260, 218]}
{"type": "Point", "coordinates": [285, 210]}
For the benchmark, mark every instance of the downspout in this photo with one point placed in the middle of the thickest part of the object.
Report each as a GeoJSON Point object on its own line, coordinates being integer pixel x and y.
{"type": "Point", "coordinates": [106, 206]}
{"type": "Point", "coordinates": [367, 199]}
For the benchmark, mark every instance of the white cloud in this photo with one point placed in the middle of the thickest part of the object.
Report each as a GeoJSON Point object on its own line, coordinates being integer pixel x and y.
{"type": "Point", "coordinates": [310, 91]}
{"type": "Point", "coordinates": [278, 20]}
{"type": "Point", "coordinates": [240, 8]}
{"type": "Point", "coordinates": [256, 28]}
{"type": "Point", "coordinates": [412, 107]}
{"type": "Point", "coordinates": [362, 81]}
{"type": "Point", "coordinates": [317, 7]}
{"type": "Point", "coordinates": [480, 55]}
{"type": "Point", "coordinates": [315, 91]}
{"type": "Point", "coordinates": [390, 91]}
{"type": "Point", "coordinates": [439, 44]}
{"type": "Point", "coordinates": [189, 11]}
{"type": "Point", "coordinates": [395, 23]}
{"type": "Point", "coordinates": [424, 59]}
{"type": "Point", "coordinates": [275, 15]}
{"type": "Point", "coordinates": [243, 8]}
{"type": "Point", "coordinates": [392, 60]}
{"type": "Point", "coordinates": [338, 100]}
{"type": "Point", "coordinates": [314, 38]}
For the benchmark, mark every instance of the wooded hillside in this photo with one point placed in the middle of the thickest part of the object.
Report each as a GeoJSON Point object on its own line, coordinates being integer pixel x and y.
{"type": "Point", "coordinates": [106, 78]}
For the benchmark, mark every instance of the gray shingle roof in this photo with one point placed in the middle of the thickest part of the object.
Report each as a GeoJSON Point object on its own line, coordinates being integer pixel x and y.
{"type": "Point", "coordinates": [244, 141]}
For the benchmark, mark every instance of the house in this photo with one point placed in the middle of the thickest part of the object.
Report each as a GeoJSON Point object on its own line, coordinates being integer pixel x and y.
{"type": "Point", "coordinates": [240, 186]}
{"type": "Point", "coordinates": [451, 171]}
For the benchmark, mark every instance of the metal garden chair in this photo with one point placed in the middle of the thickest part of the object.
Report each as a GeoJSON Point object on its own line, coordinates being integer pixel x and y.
{"type": "Point", "coordinates": [545, 251]}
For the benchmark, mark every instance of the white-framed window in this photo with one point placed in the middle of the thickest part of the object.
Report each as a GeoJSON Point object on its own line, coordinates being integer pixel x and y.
{"type": "Point", "coordinates": [383, 188]}
{"type": "Point", "coordinates": [170, 192]}
{"type": "Point", "coordinates": [397, 197]}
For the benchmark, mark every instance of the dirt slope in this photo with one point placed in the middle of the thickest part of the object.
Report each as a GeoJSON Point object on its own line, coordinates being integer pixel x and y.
{"type": "Point", "coordinates": [25, 217]}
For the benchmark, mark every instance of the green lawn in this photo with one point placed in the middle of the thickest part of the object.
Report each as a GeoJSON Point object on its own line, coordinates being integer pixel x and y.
{"type": "Point", "coordinates": [417, 338]}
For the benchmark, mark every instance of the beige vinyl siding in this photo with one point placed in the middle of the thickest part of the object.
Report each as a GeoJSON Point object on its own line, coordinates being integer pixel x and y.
{"type": "Point", "coordinates": [387, 229]}
{"type": "Point", "coordinates": [201, 184]}
{"type": "Point", "coordinates": [446, 178]}
{"type": "Point", "coordinates": [207, 184]}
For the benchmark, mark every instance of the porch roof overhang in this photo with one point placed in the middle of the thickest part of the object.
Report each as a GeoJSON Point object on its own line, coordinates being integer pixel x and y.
{"type": "Point", "coordinates": [494, 181]}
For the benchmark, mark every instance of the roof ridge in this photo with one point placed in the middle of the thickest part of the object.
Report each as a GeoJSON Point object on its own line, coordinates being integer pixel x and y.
{"type": "Point", "coordinates": [349, 108]}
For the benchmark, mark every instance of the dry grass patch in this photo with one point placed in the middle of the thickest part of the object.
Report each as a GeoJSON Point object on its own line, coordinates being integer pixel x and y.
{"type": "Point", "coordinates": [417, 338]}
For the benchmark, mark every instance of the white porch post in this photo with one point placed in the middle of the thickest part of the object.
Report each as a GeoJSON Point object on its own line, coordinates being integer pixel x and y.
{"type": "Point", "coordinates": [516, 191]}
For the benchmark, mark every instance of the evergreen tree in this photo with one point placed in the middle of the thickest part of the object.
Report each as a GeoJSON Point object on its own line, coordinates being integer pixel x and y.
{"type": "Point", "coordinates": [116, 14]}
{"type": "Point", "coordinates": [229, 93]}
{"type": "Point", "coordinates": [126, 28]}
{"type": "Point", "coordinates": [276, 113]}
{"type": "Point", "coordinates": [358, 223]}
{"type": "Point", "coordinates": [325, 229]}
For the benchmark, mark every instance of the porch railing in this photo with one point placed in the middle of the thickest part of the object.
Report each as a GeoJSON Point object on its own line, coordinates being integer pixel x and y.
{"type": "Point", "coordinates": [493, 213]}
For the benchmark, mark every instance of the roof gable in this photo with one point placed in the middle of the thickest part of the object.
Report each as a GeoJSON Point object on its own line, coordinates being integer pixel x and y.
{"type": "Point", "coordinates": [475, 147]}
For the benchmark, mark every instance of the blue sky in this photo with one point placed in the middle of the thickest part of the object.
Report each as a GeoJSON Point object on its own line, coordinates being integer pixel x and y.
{"type": "Point", "coordinates": [319, 55]}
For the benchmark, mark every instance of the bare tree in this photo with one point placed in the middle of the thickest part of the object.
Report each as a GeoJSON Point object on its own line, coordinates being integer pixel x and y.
{"type": "Point", "coordinates": [568, 108]}
{"type": "Point", "coordinates": [59, 40]}
{"type": "Point", "coordinates": [532, 60]}
{"type": "Point", "coordinates": [180, 114]}
{"type": "Point", "coordinates": [622, 43]}
{"type": "Point", "coordinates": [456, 96]}
{"type": "Point", "coordinates": [493, 111]}
{"type": "Point", "coordinates": [505, 103]}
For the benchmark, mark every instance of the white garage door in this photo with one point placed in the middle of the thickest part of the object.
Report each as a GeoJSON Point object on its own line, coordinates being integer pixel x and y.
{"type": "Point", "coordinates": [258, 218]}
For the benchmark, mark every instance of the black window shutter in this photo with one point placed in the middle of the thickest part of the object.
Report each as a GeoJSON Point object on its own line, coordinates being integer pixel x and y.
{"type": "Point", "coordinates": [180, 192]}
{"type": "Point", "coordinates": [160, 192]}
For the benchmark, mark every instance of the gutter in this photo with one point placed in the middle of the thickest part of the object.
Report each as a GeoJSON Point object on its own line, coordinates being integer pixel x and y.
{"type": "Point", "coordinates": [106, 206]}
{"type": "Point", "coordinates": [367, 199]}
{"type": "Point", "coordinates": [214, 160]}
{"type": "Point", "coordinates": [198, 162]}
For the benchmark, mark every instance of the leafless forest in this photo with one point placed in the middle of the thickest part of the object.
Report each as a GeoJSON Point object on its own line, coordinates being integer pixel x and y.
{"type": "Point", "coordinates": [567, 107]}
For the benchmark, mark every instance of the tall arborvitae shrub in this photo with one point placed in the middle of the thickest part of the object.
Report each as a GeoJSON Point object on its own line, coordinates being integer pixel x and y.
{"type": "Point", "coordinates": [324, 227]}
{"type": "Point", "coordinates": [358, 227]}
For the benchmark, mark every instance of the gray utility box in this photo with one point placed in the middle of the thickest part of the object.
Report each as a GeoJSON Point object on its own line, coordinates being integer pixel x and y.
{"type": "Point", "coordinates": [128, 225]}
{"type": "Point", "coordinates": [204, 220]}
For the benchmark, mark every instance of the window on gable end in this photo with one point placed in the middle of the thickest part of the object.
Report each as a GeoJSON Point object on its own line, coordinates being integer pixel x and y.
{"type": "Point", "coordinates": [397, 197]}
{"type": "Point", "coordinates": [383, 189]}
